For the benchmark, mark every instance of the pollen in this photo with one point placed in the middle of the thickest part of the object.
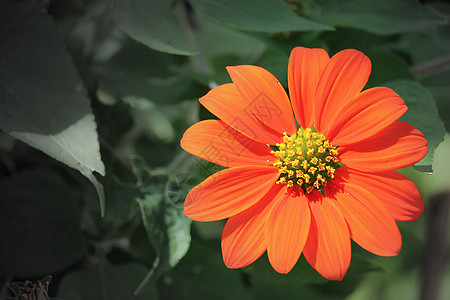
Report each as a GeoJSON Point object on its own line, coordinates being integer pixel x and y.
{"type": "Point", "coordinates": [311, 170]}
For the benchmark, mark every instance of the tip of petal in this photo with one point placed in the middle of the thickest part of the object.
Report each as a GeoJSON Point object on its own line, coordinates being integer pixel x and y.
{"type": "Point", "coordinates": [284, 270]}
{"type": "Point", "coordinates": [336, 277]}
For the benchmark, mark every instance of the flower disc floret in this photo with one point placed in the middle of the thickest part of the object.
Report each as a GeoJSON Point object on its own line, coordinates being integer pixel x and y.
{"type": "Point", "coordinates": [306, 159]}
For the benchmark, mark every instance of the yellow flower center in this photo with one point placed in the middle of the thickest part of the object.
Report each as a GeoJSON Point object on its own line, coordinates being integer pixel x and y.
{"type": "Point", "coordinates": [306, 159]}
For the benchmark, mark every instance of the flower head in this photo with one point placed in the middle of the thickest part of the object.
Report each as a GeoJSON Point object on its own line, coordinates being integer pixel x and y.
{"type": "Point", "coordinates": [310, 188]}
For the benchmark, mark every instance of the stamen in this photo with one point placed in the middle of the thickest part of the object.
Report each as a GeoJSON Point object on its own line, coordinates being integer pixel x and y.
{"type": "Point", "coordinates": [311, 171]}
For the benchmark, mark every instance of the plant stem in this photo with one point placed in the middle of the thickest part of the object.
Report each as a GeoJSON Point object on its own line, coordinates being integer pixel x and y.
{"type": "Point", "coordinates": [435, 249]}
{"type": "Point", "coordinates": [431, 66]}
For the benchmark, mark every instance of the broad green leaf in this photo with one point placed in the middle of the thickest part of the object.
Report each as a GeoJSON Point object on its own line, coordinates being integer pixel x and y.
{"type": "Point", "coordinates": [153, 23]}
{"type": "Point", "coordinates": [438, 85]}
{"type": "Point", "coordinates": [386, 67]}
{"type": "Point", "coordinates": [42, 99]}
{"type": "Point", "coordinates": [39, 224]}
{"type": "Point", "coordinates": [423, 115]}
{"type": "Point", "coordinates": [137, 71]}
{"type": "Point", "coordinates": [169, 232]}
{"type": "Point", "coordinates": [105, 282]}
{"type": "Point", "coordinates": [257, 15]}
{"type": "Point", "coordinates": [376, 16]}
{"type": "Point", "coordinates": [218, 50]}
{"type": "Point", "coordinates": [122, 213]}
{"type": "Point", "coordinates": [114, 122]}
{"type": "Point", "coordinates": [140, 247]}
{"type": "Point", "coordinates": [432, 185]}
{"type": "Point", "coordinates": [154, 122]}
{"type": "Point", "coordinates": [168, 228]}
{"type": "Point", "coordinates": [276, 63]}
{"type": "Point", "coordinates": [429, 52]}
{"type": "Point", "coordinates": [424, 47]}
{"type": "Point", "coordinates": [346, 38]}
{"type": "Point", "coordinates": [427, 45]}
{"type": "Point", "coordinates": [215, 40]}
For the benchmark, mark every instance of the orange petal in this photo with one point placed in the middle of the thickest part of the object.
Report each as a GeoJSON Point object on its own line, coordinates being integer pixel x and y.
{"type": "Point", "coordinates": [265, 97]}
{"type": "Point", "coordinates": [370, 224]}
{"type": "Point", "coordinates": [228, 105]}
{"type": "Point", "coordinates": [366, 115]}
{"type": "Point", "coordinates": [228, 192]}
{"type": "Point", "coordinates": [243, 237]}
{"type": "Point", "coordinates": [287, 229]}
{"type": "Point", "coordinates": [397, 146]}
{"type": "Point", "coordinates": [328, 248]}
{"type": "Point", "coordinates": [398, 195]}
{"type": "Point", "coordinates": [215, 141]}
{"type": "Point", "coordinates": [343, 78]}
{"type": "Point", "coordinates": [305, 67]}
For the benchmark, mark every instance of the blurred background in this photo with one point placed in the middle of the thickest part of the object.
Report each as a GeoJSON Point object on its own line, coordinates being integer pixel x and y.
{"type": "Point", "coordinates": [95, 96]}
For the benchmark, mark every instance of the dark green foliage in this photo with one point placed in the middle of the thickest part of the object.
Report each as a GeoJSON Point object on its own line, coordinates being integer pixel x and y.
{"type": "Point", "coordinates": [105, 282]}
{"type": "Point", "coordinates": [40, 225]}
{"type": "Point", "coordinates": [44, 102]}
{"type": "Point", "coordinates": [423, 115]}
{"type": "Point", "coordinates": [107, 88]}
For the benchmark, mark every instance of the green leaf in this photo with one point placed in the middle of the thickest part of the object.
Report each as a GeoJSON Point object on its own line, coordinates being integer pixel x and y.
{"type": "Point", "coordinates": [140, 247]}
{"type": "Point", "coordinates": [438, 85]}
{"type": "Point", "coordinates": [138, 71]}
{"type": "Point", "coordinates": [40, 225]}
{"type": "Point", "coordinates": [42, 99]}
{"type": "Point", "coordinates": [152, 23]}
{"type": "Point", "coordinates": [431, 185]}
{"type": "Point", "coordinates": [168, 230]}
{"type": "Point", "coordinates": [257, 15]}
{"type": "Point", "coordinates": [122, 213]}
{"type": "Point", "coordinates": [276, 63]}
{"type": "Point", "coordinates": [218, 48]}
{"type": "Point", "coordinates": [216, 40]}
{"type": "Point", "coordinates": [427, 45]}
{"type": "Point", "coordinates": [154, 122]}
{"type": "Point", "coordinates": [114, 122]}
{"type": "Point", "coordinates": [376, 16]}
{"type": "Point", "coordinates": [105, 282]}
{"type": "Point", "coordinates": [423, 115]}
{"type": "Point", "coordinates": [387, 66]}
{"type": "Point", "coordinates": [429, 52]}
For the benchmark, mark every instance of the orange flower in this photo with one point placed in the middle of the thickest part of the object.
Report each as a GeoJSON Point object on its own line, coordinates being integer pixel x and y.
{"type": "Point", "coordinates": [311, 189]}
